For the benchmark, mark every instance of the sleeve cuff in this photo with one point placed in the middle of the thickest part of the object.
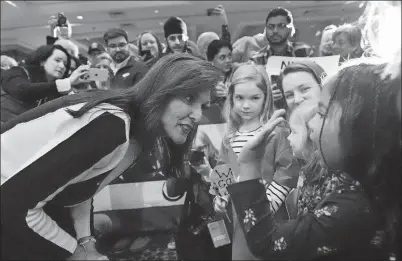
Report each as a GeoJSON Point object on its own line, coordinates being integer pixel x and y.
{"type": "Point", "coordinates": [250, 202]}
{"type": "Point", "coordinates": [63, 85]}
{"type": "Point", "coordinates": [74, 246]}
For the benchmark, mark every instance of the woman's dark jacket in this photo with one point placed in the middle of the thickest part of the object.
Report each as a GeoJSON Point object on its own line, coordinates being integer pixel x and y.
{"type": "Point", "coordinates": [24, 88]}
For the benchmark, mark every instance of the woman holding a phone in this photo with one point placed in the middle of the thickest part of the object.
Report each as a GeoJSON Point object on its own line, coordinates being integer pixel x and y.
{"type": "Point", "coordinates": [219, 53]}
{"type": "Point", "coordinates": [45, 77]}
{"type": "Point", "coordinates": [149, 48]}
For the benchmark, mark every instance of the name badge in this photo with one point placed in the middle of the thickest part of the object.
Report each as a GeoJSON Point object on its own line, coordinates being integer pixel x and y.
{"type": "Point", "coordinates": [219, 233]}
{"type": "Point", "coordinates": [125, 75]}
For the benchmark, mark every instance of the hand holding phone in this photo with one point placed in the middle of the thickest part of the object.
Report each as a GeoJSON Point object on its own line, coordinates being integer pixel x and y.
{"type": "Point", "coordinates": [146, 55]}
{"type": "Point", "coordinates": [197, 157]}
{"type": "Point", "coordinates": [96, 74]}
{"type": "Point", "coordinates": [210, 11]}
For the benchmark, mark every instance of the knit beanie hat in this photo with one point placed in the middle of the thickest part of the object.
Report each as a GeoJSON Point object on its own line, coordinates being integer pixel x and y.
{"type": "Point", "coordinates": [174, 25]}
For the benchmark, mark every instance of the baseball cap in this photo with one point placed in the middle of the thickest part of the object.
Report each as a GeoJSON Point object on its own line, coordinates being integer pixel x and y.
{"type": "Point", "coordinates": [95, 47]}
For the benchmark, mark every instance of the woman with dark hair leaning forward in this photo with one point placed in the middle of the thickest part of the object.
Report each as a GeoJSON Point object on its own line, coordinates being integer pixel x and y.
{"type": "Point", "coordinates": [80, 143]}
{"type": "Point", "coordinates": [357, 132]}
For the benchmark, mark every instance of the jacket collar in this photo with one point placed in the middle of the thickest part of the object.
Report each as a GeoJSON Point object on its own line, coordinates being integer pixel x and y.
{"type": "Point", "coordinates": [287, 51]}
{"type": "Point", "coordinates": [129, 62]}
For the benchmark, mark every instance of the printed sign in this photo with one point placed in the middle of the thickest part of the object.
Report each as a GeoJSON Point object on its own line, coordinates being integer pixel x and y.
{"type": "Point", "coordinates": [221, 177]}
{"type": "Point", "coordinates": [276, 64]}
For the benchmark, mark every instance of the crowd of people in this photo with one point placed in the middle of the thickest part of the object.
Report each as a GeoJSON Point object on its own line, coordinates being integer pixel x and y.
{"type": "Point", "coordinates": [315, 157]}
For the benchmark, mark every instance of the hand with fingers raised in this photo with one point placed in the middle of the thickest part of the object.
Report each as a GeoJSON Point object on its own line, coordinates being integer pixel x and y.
{"type": "Point", "coordinates": [250, 157]}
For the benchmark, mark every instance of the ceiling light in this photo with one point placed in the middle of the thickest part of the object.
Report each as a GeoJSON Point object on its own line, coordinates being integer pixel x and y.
{"type": "Point", "coordinates": [80, 17]}
{"type": "Point", "coordinates": [156, 11]}
{"type": "Point", "coordinates": [11, 3]}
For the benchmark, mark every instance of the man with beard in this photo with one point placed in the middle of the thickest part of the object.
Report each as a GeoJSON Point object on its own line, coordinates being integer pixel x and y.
{"type": "Point", "coordinates": [279, 27]}
{"type": "Point", "coordinates": [175, 30]}
{"type": "Point", "coordinates": [127, 70]}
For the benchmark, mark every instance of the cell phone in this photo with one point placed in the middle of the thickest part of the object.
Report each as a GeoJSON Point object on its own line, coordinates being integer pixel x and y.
{"type": "Point", "coordinates": [147, 54]}
{"type": "Point", "coordinates": [96, 74]}
{"type": "Point", "coordinates": [210, 11]}
{"type": "Point", "coordinates": [274, 79]}
{"type": "Point", "coordinates": [197, 157]}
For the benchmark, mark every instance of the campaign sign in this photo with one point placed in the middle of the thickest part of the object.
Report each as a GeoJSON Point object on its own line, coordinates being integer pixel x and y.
{"type": "Point", "coordinates": [221, 177]}
{"type": "Point", "coordinates": [276, 64]}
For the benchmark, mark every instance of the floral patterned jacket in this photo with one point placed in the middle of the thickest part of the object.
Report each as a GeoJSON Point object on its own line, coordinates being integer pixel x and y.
{"type": "Point", "coordinates": [335, 221]}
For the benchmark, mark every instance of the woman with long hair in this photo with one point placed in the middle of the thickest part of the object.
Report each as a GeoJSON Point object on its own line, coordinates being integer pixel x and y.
{"type": "Point", "coordinates": [44, 78]}
{"type": "Point", "coordinates": [149, 48]}
{"type": "Point", "coordinates": [80, 143]}
{"type": "Point", "coordinates": [355, 215]}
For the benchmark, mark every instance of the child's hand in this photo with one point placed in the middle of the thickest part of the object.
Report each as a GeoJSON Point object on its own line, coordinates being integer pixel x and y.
{"type": "Point", "coordinates": [250, 156]}
{"type": "Point", "coordinates": [204, 169]}
{"type": "Point", "coordinates": [250, 151]}
{"type": "Point", "coordinates": [220, 204]}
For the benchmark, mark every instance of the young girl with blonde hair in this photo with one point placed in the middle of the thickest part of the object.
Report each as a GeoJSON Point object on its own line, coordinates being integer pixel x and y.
{"type": "Point", "coordinates": [248, 107]}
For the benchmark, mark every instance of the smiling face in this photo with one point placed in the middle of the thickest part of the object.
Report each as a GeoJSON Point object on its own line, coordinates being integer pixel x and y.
{"type": "Point", "coordinates": [248, 101]}
{"type": "Point", "coordinates": [55, 66]}
{"type": "Point", "coordinates": [148, 42]}
{"type": "Point", "coordinates": [300, 87]}
{"type": "Point", "coordinates": [329, 142]}
{"type": "Point", "coordinates": [182, 114]}
{"type": "Point", "coordinates": [223, 60]}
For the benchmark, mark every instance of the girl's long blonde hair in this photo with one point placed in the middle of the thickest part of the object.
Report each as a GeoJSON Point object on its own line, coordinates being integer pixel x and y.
{"type": "Point", "coordinates": [247, 73]}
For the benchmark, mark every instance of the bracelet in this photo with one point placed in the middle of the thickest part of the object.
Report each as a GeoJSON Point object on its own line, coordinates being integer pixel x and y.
{"type": "Point", "coordinates": [84, 240]}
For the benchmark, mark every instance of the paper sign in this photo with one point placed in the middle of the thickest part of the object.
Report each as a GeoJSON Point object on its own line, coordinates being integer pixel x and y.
{"type": "Point", "coordinates": [276, 64]}
{"type": "Point", "coordinates": [221, 177]}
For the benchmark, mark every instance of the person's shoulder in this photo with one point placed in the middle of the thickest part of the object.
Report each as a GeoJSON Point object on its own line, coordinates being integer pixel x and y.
{"type": "Point", "coordinates": [302, 49]}
{"type": "Point", "coordinates": [17, 71]}
{"type": "Point", "coordinates": [138, 66]}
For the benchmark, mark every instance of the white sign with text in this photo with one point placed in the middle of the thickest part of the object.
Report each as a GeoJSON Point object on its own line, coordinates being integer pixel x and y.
{"type": "Point", "coordinates": [276, 64]}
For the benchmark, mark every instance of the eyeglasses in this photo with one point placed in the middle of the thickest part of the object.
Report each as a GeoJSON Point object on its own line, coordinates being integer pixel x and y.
{"type": "Point", "coordinates": [175, 37]}
{"type": "Point", "coordinates": [120, 45]}
{"type": "Point", "coordinates": [280, 26]}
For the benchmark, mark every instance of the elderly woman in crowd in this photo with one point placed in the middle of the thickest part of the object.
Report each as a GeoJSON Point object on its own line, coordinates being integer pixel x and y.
{"type": "Point", "coordinates": [325, 48]}
{"type": "Point", "coordinates": [82, 143]}
{"type": "Point", "coordinates": [105, 62]}
{"type": "Point", "coordinates": [347, 42]}
{"type": "Point", "coordinates": [357, 132]}
{"type": "Point", "coordinates": [45, 77]}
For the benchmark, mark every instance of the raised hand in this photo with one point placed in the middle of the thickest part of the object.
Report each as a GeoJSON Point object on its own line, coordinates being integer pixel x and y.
{"type": "Point", "coordinates": [253, 150]}
{"type": "Point", "coordinates": [78, 75]}
{"type": "Point", "coordinates": [220, 11]}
